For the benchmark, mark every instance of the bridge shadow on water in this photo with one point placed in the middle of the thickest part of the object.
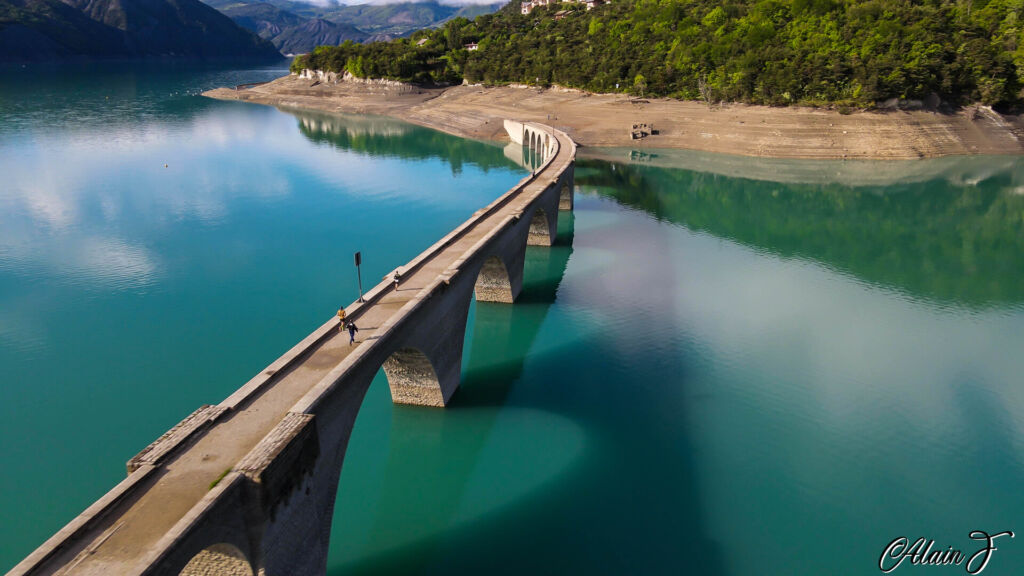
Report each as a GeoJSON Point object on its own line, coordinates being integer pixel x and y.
{"type": "Point", "coordinates": [539, 465]}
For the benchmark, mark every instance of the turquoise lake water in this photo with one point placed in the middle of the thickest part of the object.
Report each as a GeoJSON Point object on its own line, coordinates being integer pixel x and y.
{"type": "Point", "coordinates": [725, 366]}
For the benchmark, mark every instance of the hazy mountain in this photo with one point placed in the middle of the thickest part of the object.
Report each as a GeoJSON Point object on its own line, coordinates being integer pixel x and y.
{"type": "Point", "coordinates": [395, 19]}
{"type": "Point", "coordinates": [404, 18]}
{"type": "Point", "coordinates": [315, 32]}
{"type": "Point", "coordinates": [52, 29]}
{"type": "Point", "coordinates": [471, 11]}
{"type": "Point", "coordinates": [275, 20]}
{"type": "Point", "coordinates": [289, 32]}
{"type": "Point", "coordinates": [264, 19]}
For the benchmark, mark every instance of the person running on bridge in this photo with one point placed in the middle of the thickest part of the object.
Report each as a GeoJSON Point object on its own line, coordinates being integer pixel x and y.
{"type": "Point", "coordinates": [396, 277]}
{"type": "Point", "coordinates": [352, 329]}
{"type": "Point", "coordinates": [341, 318]}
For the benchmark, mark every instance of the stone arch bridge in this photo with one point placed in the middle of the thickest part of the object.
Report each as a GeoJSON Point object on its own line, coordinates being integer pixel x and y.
{"type": "Point", "coordinates": [248, 486]}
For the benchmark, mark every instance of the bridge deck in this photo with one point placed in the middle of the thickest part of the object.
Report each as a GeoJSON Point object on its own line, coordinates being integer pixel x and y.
{"type": "Point", "coordinates": [120, 543]}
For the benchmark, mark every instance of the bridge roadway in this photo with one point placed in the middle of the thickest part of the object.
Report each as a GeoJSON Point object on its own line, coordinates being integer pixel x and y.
{"type": "Point", "coordinates": [171, 483]}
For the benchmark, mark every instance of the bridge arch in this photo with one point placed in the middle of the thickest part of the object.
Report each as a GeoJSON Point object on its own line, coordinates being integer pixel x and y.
{"type": "Point", "coordinates": [218, 560]}
{"type": "Point", "coordinates": [493, 283]}
{"type": "Point", "coordinates": [412, 378]}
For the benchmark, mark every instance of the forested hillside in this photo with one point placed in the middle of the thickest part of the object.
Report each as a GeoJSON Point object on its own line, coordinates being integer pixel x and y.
{"type": "Point", "coordinates": [846, 52]}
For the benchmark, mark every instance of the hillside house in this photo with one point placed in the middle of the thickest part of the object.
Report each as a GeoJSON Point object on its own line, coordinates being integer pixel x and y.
{"type": "Point", "coordinates": [528, 5]}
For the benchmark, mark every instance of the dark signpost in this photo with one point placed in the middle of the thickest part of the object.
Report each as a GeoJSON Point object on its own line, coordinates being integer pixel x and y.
{"type": "Point", "coordinates": [359, 260]}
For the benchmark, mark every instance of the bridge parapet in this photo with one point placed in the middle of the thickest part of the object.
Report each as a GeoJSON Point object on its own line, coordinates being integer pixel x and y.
{"type": "Point", "coordinates": [176, 437]}
{"type": "Point", "coordinates": [278, 463]}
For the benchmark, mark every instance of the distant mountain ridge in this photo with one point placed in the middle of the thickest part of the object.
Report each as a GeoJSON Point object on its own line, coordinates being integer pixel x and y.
{"type": "Point", "coordinates": [316, 32]}
{"type": "Point", "coordinates": [289, 32]}
{"type": "Point", "coordinates": [38, 30]}
{"type": "Point", "coordinates": [299, 27]}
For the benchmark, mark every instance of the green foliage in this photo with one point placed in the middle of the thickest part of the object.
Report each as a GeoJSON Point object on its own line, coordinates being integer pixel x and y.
{"type": "Point", "coordinates": [220, 477]}
{"type": "Point", "coordinates": [848, 52]}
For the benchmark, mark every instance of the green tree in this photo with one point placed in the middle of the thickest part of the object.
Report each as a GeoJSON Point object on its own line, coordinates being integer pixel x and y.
{"type": "Point", "coordinates": [639, 84]}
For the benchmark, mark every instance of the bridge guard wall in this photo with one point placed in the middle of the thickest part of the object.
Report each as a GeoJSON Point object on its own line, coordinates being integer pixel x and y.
{"type": "Point", "coordinates": [224, 515]}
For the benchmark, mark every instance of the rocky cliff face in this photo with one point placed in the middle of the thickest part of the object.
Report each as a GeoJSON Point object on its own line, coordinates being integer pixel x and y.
{"type": "Point", "coordinates": [33, 30]}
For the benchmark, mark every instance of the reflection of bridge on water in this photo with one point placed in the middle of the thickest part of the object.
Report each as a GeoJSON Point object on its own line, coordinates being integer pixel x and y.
{"type": "Point", "coordinates": [527, 148]}
{"type": "Point", "coordinates": [248, 486]}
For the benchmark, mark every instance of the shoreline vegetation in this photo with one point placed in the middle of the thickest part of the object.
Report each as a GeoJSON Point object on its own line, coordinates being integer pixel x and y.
{"type": "Point", "coordinates": [835, 79]}
{"type": "Point", "coordinates": [851, 54]}
{"type": "Point", "coordinates": [605, 120]}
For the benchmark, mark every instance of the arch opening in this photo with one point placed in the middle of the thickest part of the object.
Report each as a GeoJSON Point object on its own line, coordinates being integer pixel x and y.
{"type": "Point", "coordinates": [540, 229]}
{"type": "Point", "coordinates": [218, 560]}
{"type": "Point", "coordinates": [412, 378]}
{"type": "Point", "coordinates": [493, 283]}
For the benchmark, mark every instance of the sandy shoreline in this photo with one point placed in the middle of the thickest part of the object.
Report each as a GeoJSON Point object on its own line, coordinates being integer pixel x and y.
{"type": "Point", "coordinates": [601, 120]}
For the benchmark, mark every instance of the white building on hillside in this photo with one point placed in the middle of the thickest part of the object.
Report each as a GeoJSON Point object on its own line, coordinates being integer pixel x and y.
{"type": "Point", "coordinates": [528, 5]}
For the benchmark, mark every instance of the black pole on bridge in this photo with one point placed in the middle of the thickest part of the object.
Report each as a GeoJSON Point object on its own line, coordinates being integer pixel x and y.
{"type": "Point", "coordinates": [359, 275]}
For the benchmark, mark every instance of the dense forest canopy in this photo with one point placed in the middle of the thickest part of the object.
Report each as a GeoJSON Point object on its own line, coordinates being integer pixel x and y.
{"type": "Point", "coordinates": [845, 52]}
